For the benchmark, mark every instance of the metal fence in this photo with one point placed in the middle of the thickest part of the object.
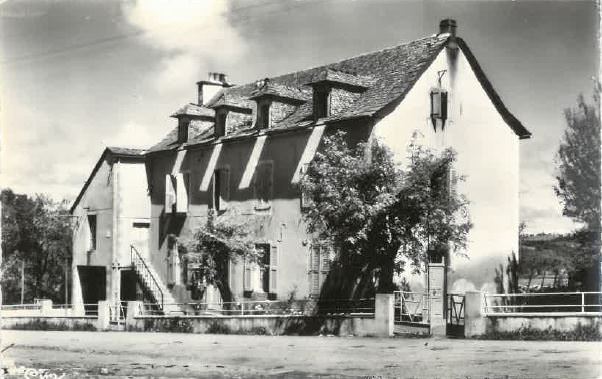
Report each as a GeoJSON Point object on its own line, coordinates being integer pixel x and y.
{"type": "Point", "coordinates": [541, 303]}
{"type": "Point", "coordinates": [411, 307]}
{"type": "Point", "coordinates": [266, 307]}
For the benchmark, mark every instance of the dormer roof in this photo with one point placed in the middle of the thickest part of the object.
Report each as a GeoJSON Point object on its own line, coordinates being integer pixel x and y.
{"type": "Point", "coordinates": [194, 110]}
{"type": "Point", "coordinates": [281, 91]}
{"type": "Point", "coordinates": [329, 75]}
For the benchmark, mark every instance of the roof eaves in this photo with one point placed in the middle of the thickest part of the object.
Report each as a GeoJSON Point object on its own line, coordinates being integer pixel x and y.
{"type": "Point", "coordinates": [521, 131]}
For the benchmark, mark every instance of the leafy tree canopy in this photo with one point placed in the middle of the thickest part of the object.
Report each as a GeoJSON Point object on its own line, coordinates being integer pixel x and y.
{"type": "Point", "coordinates": [364, 204]}
{"type": "Point", "coordinates": [578, 180]}
{"type": "Point", "coordinates": [36, 231]}
{"type": "Point", "coordinates": [223, 239]}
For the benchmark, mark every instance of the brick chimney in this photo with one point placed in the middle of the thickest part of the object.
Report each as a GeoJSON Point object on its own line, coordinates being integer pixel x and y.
{"type": "Point", "coordinates": [208, 88]}
{"type": "Point", "coordinates": [448, 26]}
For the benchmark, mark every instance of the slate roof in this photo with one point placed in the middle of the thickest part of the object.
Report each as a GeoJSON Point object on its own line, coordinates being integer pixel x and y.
{"type": "Point", "coordinates": [194, 110]}
{"type": "Point", "coordinates": [387, 76]}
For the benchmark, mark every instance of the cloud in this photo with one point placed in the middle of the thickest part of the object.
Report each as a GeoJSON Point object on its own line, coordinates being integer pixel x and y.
{"type": "Point", "coordinates": [196, 37]}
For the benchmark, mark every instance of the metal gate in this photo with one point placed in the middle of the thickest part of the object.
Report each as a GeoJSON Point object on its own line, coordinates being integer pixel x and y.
{"type": "Point", "coordinates": [455, 315]}
{"type": "Point", "coordinates": [411, 311]}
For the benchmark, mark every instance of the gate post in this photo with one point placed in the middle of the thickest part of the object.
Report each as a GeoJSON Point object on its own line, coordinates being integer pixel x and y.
{"type": "Point", "coordinates": [383, 314]}
{"type": "Point", "coordinates": [474, 321]}
{"type": "Point", "coordinates": [104, 315]}
{"type": "Point", "coordinates": [436, 298]}
{"type": "Point", "coordinates": [134, 309]}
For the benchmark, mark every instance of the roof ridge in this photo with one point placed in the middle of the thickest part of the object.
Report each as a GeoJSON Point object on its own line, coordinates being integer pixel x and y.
{"type": "Point", "coordinates": [326, 65]}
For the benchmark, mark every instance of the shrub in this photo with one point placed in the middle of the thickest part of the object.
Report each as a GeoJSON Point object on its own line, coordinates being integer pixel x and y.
{"type": "Point", "coordinates": [217, 327]}
{"type": "Point", "coordinates": [581, 332]}
{"type": "Point", "coordinates": [39, 324]}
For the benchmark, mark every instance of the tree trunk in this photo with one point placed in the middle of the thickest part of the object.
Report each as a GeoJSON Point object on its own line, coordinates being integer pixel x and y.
{"type": "Point", "coordinates": [385, 280]}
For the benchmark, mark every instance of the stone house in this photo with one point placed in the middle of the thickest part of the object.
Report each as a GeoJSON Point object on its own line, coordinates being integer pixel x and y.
{"type": "Point", "coordinates": [244, 148]}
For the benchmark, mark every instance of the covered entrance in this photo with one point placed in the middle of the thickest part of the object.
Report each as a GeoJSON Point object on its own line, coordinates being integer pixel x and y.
{"type": "Point", "coordinates": [93, 282]}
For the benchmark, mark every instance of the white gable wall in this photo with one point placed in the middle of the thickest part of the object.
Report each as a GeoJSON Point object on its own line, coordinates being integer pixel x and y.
{"type": "Point", "coordinates": [488, 156]}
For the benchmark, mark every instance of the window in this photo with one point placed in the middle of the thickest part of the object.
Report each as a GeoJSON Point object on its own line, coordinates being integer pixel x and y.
{"type": "Point", "coordinates": [221, 189]}
{"type": "Point", "coordinates": [262, 276]}
{"type": "Point", "coordinates": [176, 193]}
{"type": "Point", "coordinates": [183, 129]}
{"type": "Point", "coordinates": [321, 103]}
{"type": "Point", "coordinates": [263, 185]}
{"type": "Point", "coordinates": [319, 267]}
{"type": "Point", "coordinates": [220, 124]}
{"type": "Point", "coordinates": [92, 226]}
{"type": "Point", "coordinates": [305, 199]}
{"type": "Point", "coordinates": [438, 108]}
{"type": "Point", "coordinates": [263, 116]}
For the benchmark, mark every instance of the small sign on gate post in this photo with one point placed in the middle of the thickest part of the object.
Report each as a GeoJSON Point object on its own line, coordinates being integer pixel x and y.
{"type": "Point", "coordinates": [436, 298]}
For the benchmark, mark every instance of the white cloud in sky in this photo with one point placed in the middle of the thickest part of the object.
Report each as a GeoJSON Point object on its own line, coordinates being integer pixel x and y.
{"type": "Point", "coordinates": [196, 36]}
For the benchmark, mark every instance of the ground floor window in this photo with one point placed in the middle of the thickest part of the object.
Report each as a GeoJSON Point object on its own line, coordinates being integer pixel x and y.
{"type": "Point", "coordinates": [262, 276]}
{"type": "Point", "coordinates": [319, 267]}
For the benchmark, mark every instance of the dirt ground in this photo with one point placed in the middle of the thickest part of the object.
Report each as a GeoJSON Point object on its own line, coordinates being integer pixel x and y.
{"type": "Point", "coordinates": [119, 354]}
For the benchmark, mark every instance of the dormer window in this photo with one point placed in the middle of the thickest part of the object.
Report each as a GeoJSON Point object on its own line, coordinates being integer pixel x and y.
{"type": "Point", "coordinates": [220, 124]}
{"type": "Point", "coordinates": [438, 108]}
{"type": "Point", "coordinates": [321, 102]}
{"type": "Point", "coordinates": [263, 116]}
{"type": "Point", "coordinates": [183, 124]}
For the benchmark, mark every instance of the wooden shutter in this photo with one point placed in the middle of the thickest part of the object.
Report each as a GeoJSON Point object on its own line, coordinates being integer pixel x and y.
{"type": "Point", "coordinates": [170, 194]}
{"type": "Point", "coordinates": [453, 181]}
{"type": "Point", "coordinates": [181, 194]}
{"type": "Point", "coordinates": [247, 275]}
{"type": "Point", "coordinates": [224, 187]}
{"type": "Point", "coordinates": [305, 199]}
{"type": "Point", "coordinates": [274, 269]}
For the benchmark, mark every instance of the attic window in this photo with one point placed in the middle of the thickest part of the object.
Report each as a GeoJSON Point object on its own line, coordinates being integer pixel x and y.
{"type": "Point", "coordinates": [263, 116]}
{"type": "Point", "coordinates": [438, 108]}
{"type": "Point", "coordinates": [321, 103]}
{"type": "Point", "coordinates": [220, 124]}
{"type": "Point", "coordinates": [183, 129]}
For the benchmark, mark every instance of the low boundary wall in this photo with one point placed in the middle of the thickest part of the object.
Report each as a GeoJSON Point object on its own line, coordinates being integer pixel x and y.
{"type": "Point", "coordinates": [379, 324]}
{"type": "Point", "coordinates": [478, 323]}
{"type": "Point", "coordinates": [264, 324]}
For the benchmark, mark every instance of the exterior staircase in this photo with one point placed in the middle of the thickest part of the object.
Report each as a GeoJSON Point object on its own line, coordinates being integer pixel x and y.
{"type": "Point", "coordinates": [151, 281]}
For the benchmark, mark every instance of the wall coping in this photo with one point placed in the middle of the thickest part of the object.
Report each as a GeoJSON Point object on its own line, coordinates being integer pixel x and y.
{"type": "Point", "coordinates": [366, 315]}
{"type": "Point", "coordinates": [40, 316]}
{"type": "Point", "coordinates": [546, 315]}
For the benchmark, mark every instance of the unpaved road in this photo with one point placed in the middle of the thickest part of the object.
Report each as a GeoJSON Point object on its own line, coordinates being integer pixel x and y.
{"type": "Point", "coordinates": [115, 354]}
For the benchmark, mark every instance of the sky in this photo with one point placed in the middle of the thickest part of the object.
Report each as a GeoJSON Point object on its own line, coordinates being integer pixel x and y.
{"type": "Point", "coordinates": [76, 76]}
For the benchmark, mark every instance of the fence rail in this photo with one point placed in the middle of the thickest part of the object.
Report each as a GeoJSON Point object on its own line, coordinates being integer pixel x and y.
{"type": "Point", "coordinates": [267, 307]}
{"type": "Point", "coordinates": [542, 303]}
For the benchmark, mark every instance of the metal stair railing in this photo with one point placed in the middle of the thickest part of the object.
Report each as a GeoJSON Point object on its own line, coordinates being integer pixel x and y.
{"type": "Point", "coordinates": [146, 275]}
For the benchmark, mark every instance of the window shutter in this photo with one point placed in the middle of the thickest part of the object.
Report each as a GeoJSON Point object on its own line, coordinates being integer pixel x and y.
{"type": "Point", "coordinates": [169, 194]}
{"type": "Point", "coordinates": [181, 194]}
{"type": "Point", "coordinates": [274, 269]}
{"type": "Point", "coordinates": [247, 276]}
{"type": "Point", "coordinates": [224, 188]}
{"type": "Point", "coordinates": [453, 181]}
{"type": "Point", "coordinates": [325, 260]}
{"type": "Point", "coordinates": [443, 106]}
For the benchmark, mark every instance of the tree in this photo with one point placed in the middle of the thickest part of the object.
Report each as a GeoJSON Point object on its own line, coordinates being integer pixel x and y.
{"type": "Point", "coordinates": [36, 232]}
{"type": "Point", "coordinates": [366, 206]}
{"type": "Point", "coordinates": [224, 238]}
{"type": "Point", "coordinates": [578, 181]}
